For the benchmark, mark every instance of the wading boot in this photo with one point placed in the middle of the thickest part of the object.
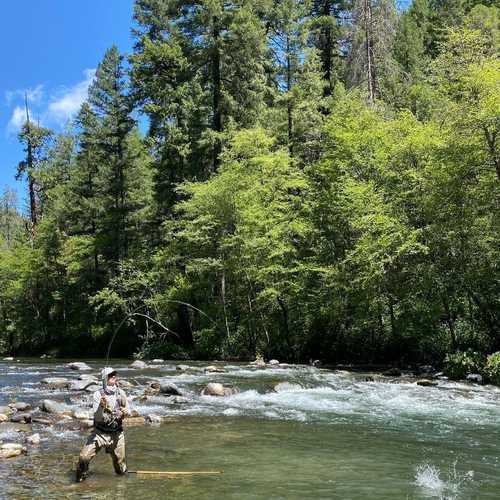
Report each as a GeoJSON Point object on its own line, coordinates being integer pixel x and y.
{"type": "Point", "coordinates": [81, 471]}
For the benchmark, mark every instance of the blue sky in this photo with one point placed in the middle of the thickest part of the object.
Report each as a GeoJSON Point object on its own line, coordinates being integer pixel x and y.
{"type": "Point", "coordinates": [49, 49]}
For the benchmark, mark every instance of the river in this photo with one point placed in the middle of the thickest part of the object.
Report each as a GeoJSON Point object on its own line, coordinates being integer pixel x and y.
{"type": "Point", "coordinates": [319, 434]}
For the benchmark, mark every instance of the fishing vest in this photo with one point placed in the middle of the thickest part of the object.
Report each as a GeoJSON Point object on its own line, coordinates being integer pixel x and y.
{"type": "Point", "coordinates": [105, 419]}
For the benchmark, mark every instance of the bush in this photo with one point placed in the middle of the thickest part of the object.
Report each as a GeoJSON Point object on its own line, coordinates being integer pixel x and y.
{"type": "Point", "coordinates": [459, 364]}
{"type": "Point", "coordinates": [492, 368]}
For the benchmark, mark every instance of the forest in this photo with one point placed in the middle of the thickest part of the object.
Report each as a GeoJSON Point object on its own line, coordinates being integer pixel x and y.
{"type": "Point", "coordinates": [291, 179]}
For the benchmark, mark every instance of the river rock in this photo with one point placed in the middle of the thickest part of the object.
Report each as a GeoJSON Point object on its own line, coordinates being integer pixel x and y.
{"type": "Point", "coordinates": [138, 364]}
{"type": "Point", "coordinates": [178, 400]}
{"type": "Point", "coordinates": [9, 358]}
{"type": "Point", "coordinates": [88, 376]}
{"type": "Point", "coordinates": [170, 389]}
{"type": "Point", "coordinates": [213, 389]}
{"type": "Point", "coordinates": [214, 369]}
{"type": "Point", "coordinates": [259, 363]}
{"type": "Point", "coordinates": [230, 391]}
{"type": "Point", "coordinates": [21, 418]}
{"type": "Point", "coordinates": [81, 385]}
{"type": "Point", "coordinates": [6, 410]}
{"type": "Point", "coordinates": [274, 362]}
{"type": "Point", "coordinates": [133, 421]}
{"type": "Point", "coordinates": [78, 365]}
{"type": "Point", "coordinates": [153, 419]}
{"type": "Point", "coordinates": [474, 377]}
{"type": "Point", "coordinates": [12, 427]}
{"type": "Point", "coordinates": [93, 388]}
{"type": "Point", "coordinates": [51, 406]}
{"type": "Point", "coordinates": [21, 406]}
{"type": "Point", "coordinates": [158, 360]}
{"type": "Point", "coordinates": [86, 424]}
{"type": "Point", "coordinates": [392, 372]}
{"type": "Point", "coordinates": [427, 383]}
{"type": "Point", "coordinates": [57, 382]}
{"type": "Point", "coordinates": [182, 368]}
{"type": "Point", "coordinates": [3, 418]}
{"type": "Point", "coordinates": [9, 450]}
{"type": "Point", "coordinates": [316, 363]}
{"type": "Point", "coordinates": [33, 439]}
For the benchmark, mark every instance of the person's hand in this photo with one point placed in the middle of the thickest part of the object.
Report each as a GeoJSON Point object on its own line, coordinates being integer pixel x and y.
{"type": "Point", "coordinates": [119, 414]}
{"type": "Point", "coordinates": [104, 403]}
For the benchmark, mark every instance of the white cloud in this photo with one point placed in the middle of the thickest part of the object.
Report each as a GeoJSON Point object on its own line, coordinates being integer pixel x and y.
{"type": "Point", "coordinates": [16, 120]}
{"type": "Point", "coordinates": [34, 95]}
{"type": "Point", "coordinates": [65, 107]}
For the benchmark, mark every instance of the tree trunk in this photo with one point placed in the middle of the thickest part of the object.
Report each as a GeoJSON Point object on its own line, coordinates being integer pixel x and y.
{"type": "Point", "coordinates": [216, 83]}
{"type": "Point", "coordinates": [369, 50]}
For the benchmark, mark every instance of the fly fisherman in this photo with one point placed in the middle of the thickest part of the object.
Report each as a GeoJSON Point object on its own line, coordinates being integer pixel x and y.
{"type": "Point", "coordinates": [109, 406]}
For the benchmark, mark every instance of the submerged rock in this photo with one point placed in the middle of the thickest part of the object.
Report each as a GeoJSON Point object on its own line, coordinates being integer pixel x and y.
{"type": "Point", "coordinates": [427, 383]}
{"type": "Point", "coordinates": [170, 389]}
{"type": "Point", "coordinates": [138, 364]}
{"type": "Point", "coordinates": [78, 365]}
{"type": "Point", "coordinates": [57, 382]}
{"type": "Point", "coordinates": [33, 439]}
{"type": "Point", "coordinates": [214, 369]}
{"type": "Point", "coordinates": [474, 377]}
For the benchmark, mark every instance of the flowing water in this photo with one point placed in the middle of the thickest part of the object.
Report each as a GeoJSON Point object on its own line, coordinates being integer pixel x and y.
{"type": "Point", "coordinates": [319, 434]}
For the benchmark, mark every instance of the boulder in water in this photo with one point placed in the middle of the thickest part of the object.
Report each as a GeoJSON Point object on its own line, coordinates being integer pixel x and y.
{"type": "Point", "coordinates": [170, 389]}
{"type": "Point", "coordinates": [274, 362]}
{"type": "Point", "coordinates": [158, 361]}
{"type": "Point", "coordinates": [8, 358]}
{"type": "Point", "coordinates": [214, 369]}
{"type": "Point", "coordinates": [259, 363]}
{"type": "Point", "coordinates": [57, 382]}
{"type": "Point", "coordinates": [21, 406]}
{"type": "Point", "coordinates": [213, 389]}
{"type": "Point", "coordinates": [51, 406]}
{"type": "Point", "coordinates": [474, 377]}
{"type": "Point", "coordinates": [82, 415]}
{"type": "Point", "coordinates": [81, 385]}
{"type": "Point", "coordinates": [3, 418]}
{"type": "Point", "coordinates": [78, 365]}
{"type": "Point", "coordinates": [9, 450]}
{"type": "Point", "coordinates": [153, 419]}
{"type": "Point", "coordinates": [21, 418]}
{"type": "Point", "coordinates": [138, 364]}
{"type": "Point", "coordinates": [427, 383]}
{"type": "Point", "coordinates": [182, 368]}
{"type": "Point", "coordinates": [88, 376]}
{"type": "Point", "coordinates": [133, 421]}
{"type": "Point", "coordinates": [6, 410]}
{"type": "Point", "coordinates": [33, 439]}
{"type": "Point", "coordinates": [93, 388]}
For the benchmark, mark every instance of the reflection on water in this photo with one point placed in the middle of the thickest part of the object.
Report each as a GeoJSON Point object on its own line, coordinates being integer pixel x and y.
{"type": "Point", "coordinates": [323, 435]}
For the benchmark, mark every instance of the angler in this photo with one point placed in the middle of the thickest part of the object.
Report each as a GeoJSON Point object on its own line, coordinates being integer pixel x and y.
{"type": "Point", "coordinates": [110, 405]}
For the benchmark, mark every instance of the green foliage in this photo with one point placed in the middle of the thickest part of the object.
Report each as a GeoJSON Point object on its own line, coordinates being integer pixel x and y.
{"type": "Point", "coordinates": [492, 368]}
{"type": "Point", "coordinates": [459, 364]}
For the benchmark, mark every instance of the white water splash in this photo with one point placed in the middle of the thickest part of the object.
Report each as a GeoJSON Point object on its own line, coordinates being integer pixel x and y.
{"type": "Point", "coordinates": [428, 479]}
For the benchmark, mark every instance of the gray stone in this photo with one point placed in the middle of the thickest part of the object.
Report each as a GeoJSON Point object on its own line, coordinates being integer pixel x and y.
{"type": "Point", "coordinates": [182, 368]}
{"type": "Point", "coordinates": [82, 415]}
{"type": "Point", "coordinates": [33, 439]}
{"type": "Point", "coordinates": [93, 388]}
{"type": "Point", "coordinates": [158, 360]}
{"type": "Point", "coordinates": [153, 419]}
{"type": "Point", "coordinates": [213, 389]}
{"type": "Point", "coordinates": [81, 385]}
{"type": "Point", "coordinates": [78, 365]}
{"type": "Point", "coordinates": [9, 358]}
{"type": "Point", "coordinates": [57, 382]}
{"type": "Point", "coordinates": [274, 362]}
{"type": "Point", "coordinates": [475, 377]}
{"type": "Point", "coordinates": [20, 406]}
{"type": "Point", "coordinates": [170, 389]}
{"type": "Point", "coordinates": [6, 410]}
{"type": "Point", "coordinates": [21, 418]}
{"type": "Point", "coordinates": [138, 364]}
{"type": "Point", "coordinates": [3, 418]}
{"type": "Point", "coordinates": [88, 376]}
{"type": "Point", "coordinates": [51, 406]}
{"type": "Point", "coordinates": [214, 369]}
{"type": "Point", "coordinates": [178, 400]}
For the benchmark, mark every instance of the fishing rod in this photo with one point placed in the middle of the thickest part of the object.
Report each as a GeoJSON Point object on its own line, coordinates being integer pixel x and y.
{"type": "Point", "coordinates": [175, 473]}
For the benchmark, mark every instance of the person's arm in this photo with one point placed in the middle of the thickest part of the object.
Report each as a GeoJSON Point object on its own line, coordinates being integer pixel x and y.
{"type": "Point", "coordinates": [96, 401]}
{"type": "Point", "coordinates": [124, 405]}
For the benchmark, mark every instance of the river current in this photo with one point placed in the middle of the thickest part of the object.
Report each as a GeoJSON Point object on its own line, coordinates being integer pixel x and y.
{"type": "Point", "coordinates": [291, 433]}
